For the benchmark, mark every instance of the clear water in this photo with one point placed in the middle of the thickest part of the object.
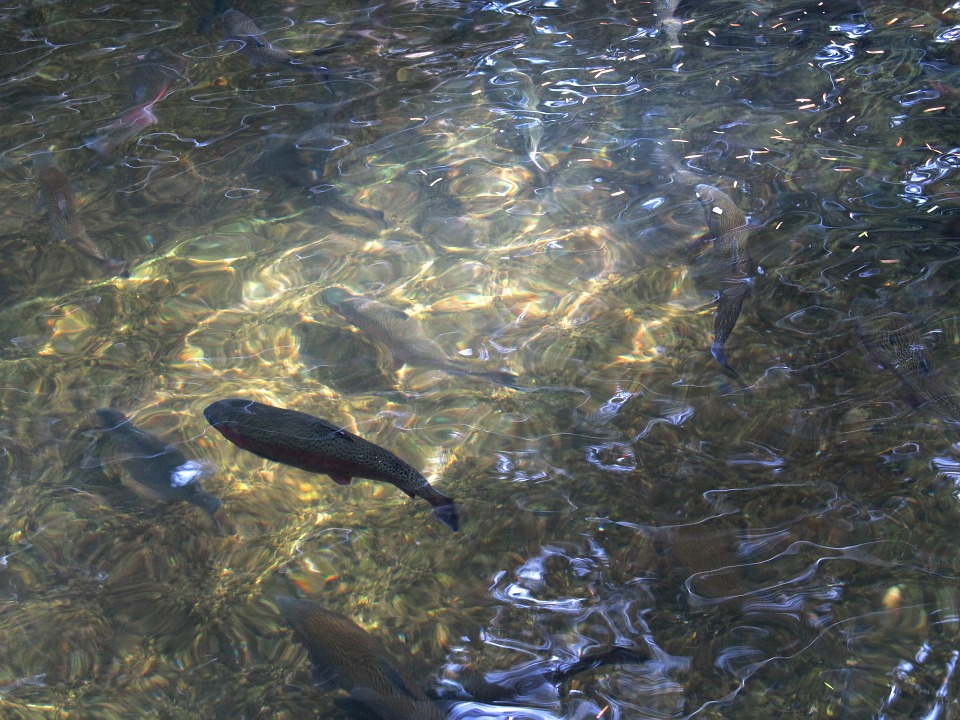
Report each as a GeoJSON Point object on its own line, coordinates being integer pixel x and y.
{"type": "Point", "coordinates": [520, 179]}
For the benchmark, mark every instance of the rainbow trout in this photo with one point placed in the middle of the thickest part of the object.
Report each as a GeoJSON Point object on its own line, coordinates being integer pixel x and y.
{"type": "Point", "coordinates": [150, 80]}
{"type": "Point", "coordinates": [344, 655]}
{"type": "Point", "coordinates": [402, 335]}
{"type": "Point", "coordinates": [889, 340]}
{"type": "Point", "coordinates": [729, 231]}
{"type": "Point", "coordinates": [256, 48]}
{"type": "Point", "coordinates": [157, 470]}
{"type": "Point", "coordinates": [315, 445]}
{"type": "Point", "coordinates": [57, 195]}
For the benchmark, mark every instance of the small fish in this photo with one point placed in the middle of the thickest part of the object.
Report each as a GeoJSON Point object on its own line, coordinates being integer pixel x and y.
{"type": "Point", "coordinates": [889, 339]}
{"type": "Point", "coordinates": [315, 445]}
{"type": "Point", "coordinates": [157, 470]}
{"type": "Point", "coordinates": [57, 195]}
{"type": "Point", "coordinates": [402, 335]}
{"type": "Point", "coordinates": [729, 231]}
{"type": "Point", "coordinates": [256, 48]}
{"type": "Point", "coordinates": [150, 80]}
{"type": "Point", "coordinates": [344, 655]}
{"type": "Point", "coordinates": [522, 94]}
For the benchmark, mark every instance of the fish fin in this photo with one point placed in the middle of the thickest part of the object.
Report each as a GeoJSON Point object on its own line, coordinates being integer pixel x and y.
{"type": "Point", "coordinates": [396, 679]}
{"type": "Point", "coordinates": [720, 355]}
{"type": "Point", "coordinates": [356, 709]}
{"type": "Point", "coordinates": [342, 479]}
{"type": "Point", "coordinates": [447, 514]}
{"type": "Point", "coordinates": [323, 677]}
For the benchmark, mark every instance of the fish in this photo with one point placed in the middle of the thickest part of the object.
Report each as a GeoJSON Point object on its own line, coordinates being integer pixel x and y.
{"type": "Point", "coordinates": [522, 94]}
{"type": "Point", "coordinates": [61, 204]}
{"type": "Point", "coordinates": [157, 470]}
{"type": "Point", "coordinates": [729, 231]}
{"type": "Point", "coordinates": [402, 335]}
{"type": "Point", "coordinates": [257, 49]}
{"type": "Point", "coordinates": [343, 654]}
{"type": "Point", "coordinates": [316, 445]}
{"type": "Point", "coordinates": [889, 339]}
{"type": "Point", "coordinates": [150, 80]}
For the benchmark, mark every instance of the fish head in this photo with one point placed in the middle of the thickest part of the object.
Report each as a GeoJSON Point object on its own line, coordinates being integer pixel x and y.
{"type": "Point", "coordinates": [335, 296]}
{"type": "Point", "coordinates": [223, 414]}
{"type": "Point", "coordinates": [111, 418]}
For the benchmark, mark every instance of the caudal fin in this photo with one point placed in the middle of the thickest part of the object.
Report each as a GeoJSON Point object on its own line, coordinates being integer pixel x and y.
{"type": "Point", "coordinates": [446, 512]}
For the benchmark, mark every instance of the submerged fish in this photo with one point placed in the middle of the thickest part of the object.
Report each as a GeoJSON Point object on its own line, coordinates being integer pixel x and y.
{"type": "Point", "coordinates": [402, 335]}
{"type": "Point", "coordinates": [57, 195]}
{"type": "Point", "coordinates": [150, 80]}
{"type": "Point", "coordinates": [156, 469]}
{"type": "Point", "coordinates": [315, 445]}
{"type": "Point", "coordinates": [890, 340]}
{"type": "Point", "coordinates": [344, 655]}
{"type": "Point", "coordinates": [729, 231]}
{"type": "Point", "coordinates": [256, 48]}
{"type": "Point", "coordinates": [519, 91]}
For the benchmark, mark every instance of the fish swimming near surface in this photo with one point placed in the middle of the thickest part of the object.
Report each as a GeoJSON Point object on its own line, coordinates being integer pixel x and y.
{"type": "Point", "coordinates": [514, 88]}
{"type": "Point", "coordinates": [729, 231]}
{"type": "Point", "coordinates": [890, 341]}
{"type": "Point", "coordinates": [344, 655]}
{"type": "Point", "coordinates": [150, 80]}
{"type": "Point", "coordinates": [155, 469]}
{"type": "Point", "coordinates": [402, 335]}
{"type": "Point", "coordinates": [256, 48]}
{"type": "Point", "coordinates": [61, 204]}
{"type": "Point", "coordinates": [315, 445]}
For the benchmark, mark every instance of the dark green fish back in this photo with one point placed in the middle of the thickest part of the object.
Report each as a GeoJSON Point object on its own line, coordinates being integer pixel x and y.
{"type": "Point", "coordinates": [347, 656]}
{"type": "Point", "coordinates": [313, 444]}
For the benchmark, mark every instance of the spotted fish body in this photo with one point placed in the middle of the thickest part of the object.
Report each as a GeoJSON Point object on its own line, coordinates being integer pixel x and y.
{"type": "Point", "coordinates": [256, 48]}
{"type": "Point", "coordinates": [402, 335]}
{"type": "Point", "coordinates": [312, 444]}
{"type": "Point", "coordinates": [345, 655]}
{"type": "Point", "coordinates": [61, 205]}
{"type": "Point", "coordinates": [729, 231]}
{"type": "Point", "coordinates": [889, 339]}
{"type": "Point", "coordinates": [156, 469]}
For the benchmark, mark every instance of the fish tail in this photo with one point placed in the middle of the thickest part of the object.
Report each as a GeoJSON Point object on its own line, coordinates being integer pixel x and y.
{"type": "Point", "coordinates": [445, 510]}
{"type": "Point", "coordinates": [719, 353]}
{"type": "Point", "coordinates": [115, 266]}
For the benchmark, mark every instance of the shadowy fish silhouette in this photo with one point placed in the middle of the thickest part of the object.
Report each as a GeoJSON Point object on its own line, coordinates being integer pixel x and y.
{"type": "Point", "coordinates": [344, 655]}
{"type": "Point", "coordinates": [309, 443]}
{"type": "Point", "coordinates": [157, 470]}
{"type": "Point", "coordinates": [57, 195]}
{"type": "Point", "coordinates": [256, 48]}
{"type": "Point", "coordinates": [402, 335]}
{"type": "Point", "coordinates": [890, 341]}
{"type": "Point", "coordinates": [729, 231]}
{"type": "Point", "coordinates": [150, 80]}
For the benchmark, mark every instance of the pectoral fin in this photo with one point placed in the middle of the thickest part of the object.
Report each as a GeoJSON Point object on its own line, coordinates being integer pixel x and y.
{"type": "Point", "coordinates": [395, 678]}
{"type": "Point", "coordinates": [341, 479]}
{"type": "Point", "coordinates": [323, 677]}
